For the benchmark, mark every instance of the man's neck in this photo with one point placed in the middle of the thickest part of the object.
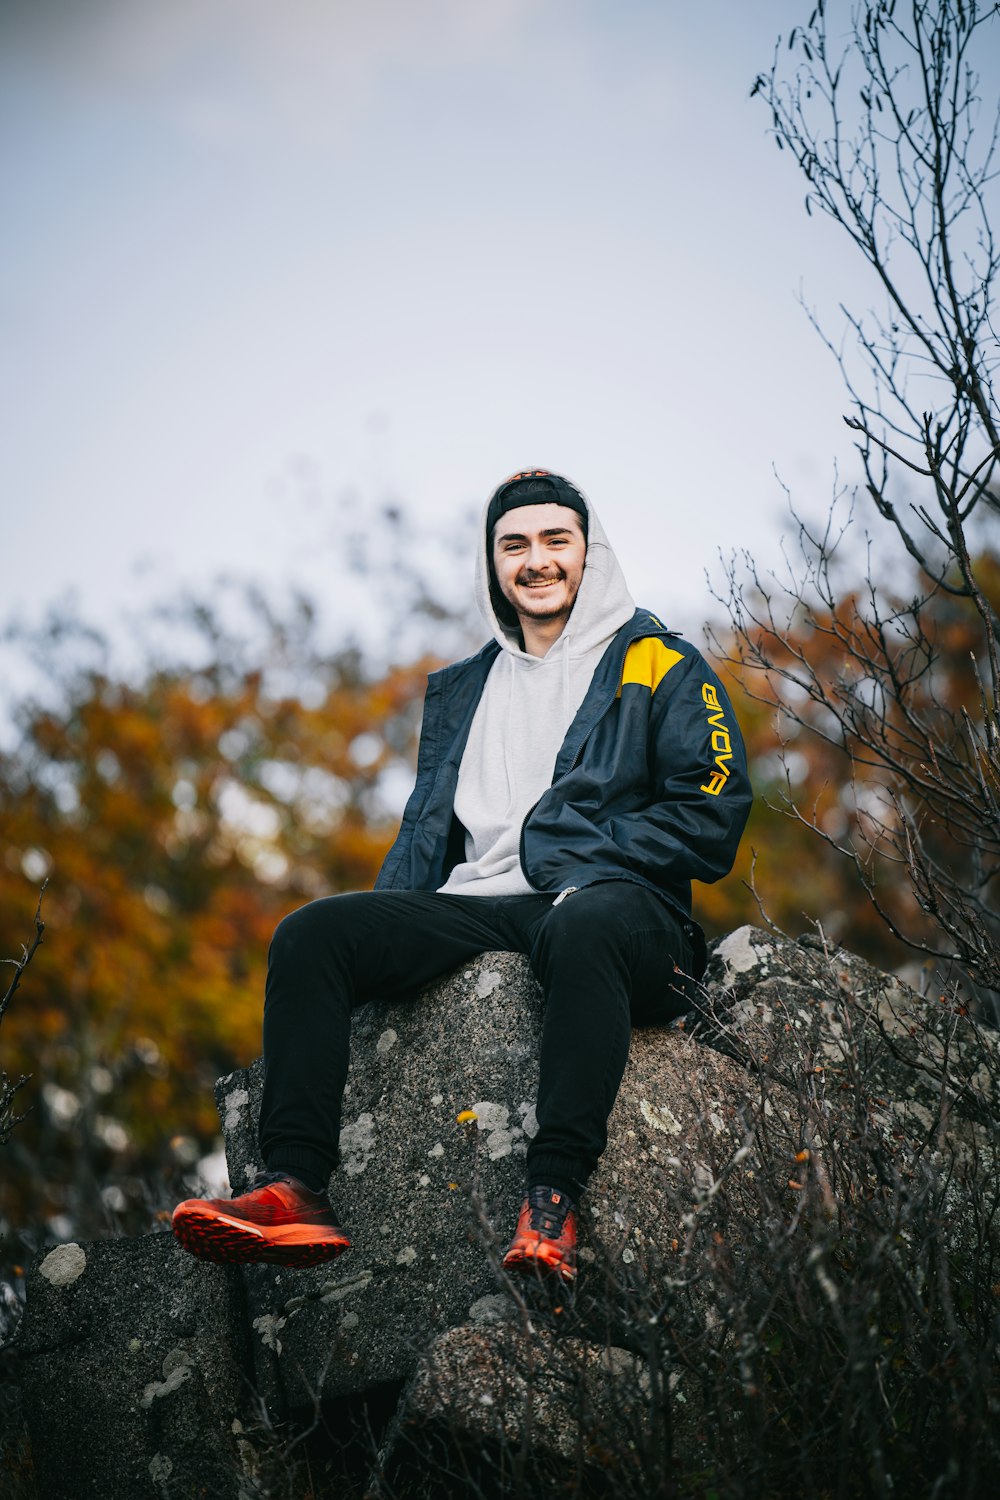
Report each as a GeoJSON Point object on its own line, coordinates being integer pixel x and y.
{"type": "Point", "coordinates": [541, 635]}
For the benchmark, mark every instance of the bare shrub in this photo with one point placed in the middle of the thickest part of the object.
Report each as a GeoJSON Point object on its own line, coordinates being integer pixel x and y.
{"type": "Point", "coordinates": [10, 1088]}
{"type": "Point", "coordinates": [817, 1311]}
{"type": "Point", "coordinates": [891, 115]}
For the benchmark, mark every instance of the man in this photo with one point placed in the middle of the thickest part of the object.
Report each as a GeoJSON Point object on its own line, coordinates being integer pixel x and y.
{"type": "Point", "coordinates": [573, 778]}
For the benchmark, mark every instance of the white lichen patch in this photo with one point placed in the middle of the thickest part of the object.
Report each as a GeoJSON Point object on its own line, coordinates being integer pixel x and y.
{"type": "Point", "coordinates": [357, 1141]}
{"type": "Point", "coordinates": [493, 1308]}
{"type": "Point", "coordinates": [386, 1041]}
{"type": "Point", "coordinates": [487, 983]}
{"type": "Point", "coordinates": [893, 1013]}
{"type": "Point", "coordinates": [748, 1013]}
{"type": "Point", "coordinates": [176, 1359]}
{"type": "Point", "coordinates": [336, 1291]}
{"type": "Point", "coordinates": [738, 952]}
{"type": "Point", "coordinates": [502, 1137]}
{"type": "Point", "coordinates": [423, 1180]}
{"type": "Point", "coordinates": [436, 1150]}
{"type": "Point", "coordinates": [232, 1104]}
{"type": "Point", "coordinates": [406, 1256]}
{"type": "Point", "coordinates": [529, 1120]}
{"type": "Point", "coordinates": [349, 1320]}
{"type": "Point", "coordinates": [912, 1109]}
{"type": "Point", "coordinates": [176, 1367]}
{"type": "Point", "coordinates": [63, 1265]}
{"type": "Point", "coordinates": [835, 1044]}
{"type": "Point", "coordinates": [660, 1118]}
{"type": "Point", "coordinates": [437, 1099]}
{"type": "Point", "coordinates": [268, 1325]}
{"type": "Point", "coordinates": [161, 1466]}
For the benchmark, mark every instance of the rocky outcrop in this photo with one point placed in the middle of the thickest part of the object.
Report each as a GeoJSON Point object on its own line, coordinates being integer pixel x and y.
{"type": "Point", "coordinates": [440, 1098]}
{"type": "Point", "coordinates": [132, 1362]}
{"type": "Point", "coordinates": [135, 1358]}
{"type": "Point", "coordinates": [795, 1009]}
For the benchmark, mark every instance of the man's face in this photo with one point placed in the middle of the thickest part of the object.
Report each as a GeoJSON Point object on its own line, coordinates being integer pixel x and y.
{"type": "Point", "coordinates": [538, 555]}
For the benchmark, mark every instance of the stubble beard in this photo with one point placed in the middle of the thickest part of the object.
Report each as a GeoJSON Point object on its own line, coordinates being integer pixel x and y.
{"type": "Point", "coordinates": [543, 612]}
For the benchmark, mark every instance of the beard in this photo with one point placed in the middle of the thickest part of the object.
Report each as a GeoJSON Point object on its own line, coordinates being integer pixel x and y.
{"type": "Point", "coordinates": [540, 607]}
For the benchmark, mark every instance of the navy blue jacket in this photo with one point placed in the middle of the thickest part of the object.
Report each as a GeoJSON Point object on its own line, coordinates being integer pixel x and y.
{"type": "Point", "coordinates": [650, 785]}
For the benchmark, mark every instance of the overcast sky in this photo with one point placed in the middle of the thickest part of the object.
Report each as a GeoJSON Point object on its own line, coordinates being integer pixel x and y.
{"type": "Point", "coordinates": [257, 258]}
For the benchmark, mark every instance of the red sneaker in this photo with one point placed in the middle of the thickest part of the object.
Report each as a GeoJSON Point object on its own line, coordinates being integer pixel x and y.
{"type": "Point", "coordinates": [279, 1220]}
{"type": "Point", "coordinates": [545, 1238]}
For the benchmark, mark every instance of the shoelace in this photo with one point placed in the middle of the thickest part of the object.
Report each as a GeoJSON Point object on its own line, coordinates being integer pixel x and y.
{"type": "Point", "coordinates": [547, 1218]}
{"type": "Point", "coordinates": [263, 1178]}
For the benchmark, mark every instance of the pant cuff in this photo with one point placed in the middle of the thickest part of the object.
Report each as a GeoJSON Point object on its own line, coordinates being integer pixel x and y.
{"type": "Point", "coordinates": [309, 1166]}
{"type": "Point", "coordinates": [559, 1172]}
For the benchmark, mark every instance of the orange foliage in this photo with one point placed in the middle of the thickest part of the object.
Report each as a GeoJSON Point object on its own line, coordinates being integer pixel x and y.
{"type": "Point", "coordinates": [177, 818]}
{"type": "Point", "coordinates": [901, 693]}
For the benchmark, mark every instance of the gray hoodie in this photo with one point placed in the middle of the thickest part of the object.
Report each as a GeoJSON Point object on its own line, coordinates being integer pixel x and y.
{"type": "Point", "coordinates": [527, 706]}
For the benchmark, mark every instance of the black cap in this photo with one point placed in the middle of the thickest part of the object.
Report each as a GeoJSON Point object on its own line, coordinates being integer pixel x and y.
{"type": "Point", "coordinates": [534, 487]}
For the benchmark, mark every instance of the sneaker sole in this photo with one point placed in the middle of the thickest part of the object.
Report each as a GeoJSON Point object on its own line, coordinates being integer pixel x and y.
{"type": "Point", "coordinates": [226, 1241]}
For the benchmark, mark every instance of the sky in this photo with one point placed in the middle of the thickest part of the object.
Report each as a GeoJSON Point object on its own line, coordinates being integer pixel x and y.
{"type": "Point", "coordinates": [265, 267]}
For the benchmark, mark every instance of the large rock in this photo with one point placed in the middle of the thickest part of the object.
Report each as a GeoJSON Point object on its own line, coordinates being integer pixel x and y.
{"type": "Point", "coordinates": [424, 1248]}
{"type": "Point", "coordinates": [799, 1008]}
{"type": "Point", "coordinates": [514, 1395]}
{"type": "Point", "coordinates": [488, 1396]}
{"type": "Point", "coordinates": [756, 1164]}
{"type": "Point", "coordinates": [17, 1475]}
{"type": "Point", "coordinates": [131, 1373]}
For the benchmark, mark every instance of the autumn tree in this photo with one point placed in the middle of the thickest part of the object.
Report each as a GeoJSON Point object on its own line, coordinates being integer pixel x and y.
{"type": "Point", "coordinates": [895, 131]}
{"type": "Point", "coordinates": [178, 813]}
{"type": "Point", "coordinates": [783, 875]}
{"type": "Point", "coordinates": [11, 1087]}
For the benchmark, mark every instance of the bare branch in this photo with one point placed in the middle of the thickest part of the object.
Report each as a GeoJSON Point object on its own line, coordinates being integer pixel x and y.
{"type": "Point", "coordinates": [9, 1088]}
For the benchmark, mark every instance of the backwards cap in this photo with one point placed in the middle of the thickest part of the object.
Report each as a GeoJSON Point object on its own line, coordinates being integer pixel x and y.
{"type": "Point", "coordinates": [534, 487]}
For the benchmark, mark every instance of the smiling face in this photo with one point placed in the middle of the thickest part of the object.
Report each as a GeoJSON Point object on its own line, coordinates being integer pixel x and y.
{"type": "Point", "coordinates": [538, 556]}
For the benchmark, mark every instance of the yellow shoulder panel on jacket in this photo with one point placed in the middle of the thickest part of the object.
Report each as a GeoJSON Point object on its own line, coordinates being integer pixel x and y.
{"type": "Point", "coordinates": [647, 662]}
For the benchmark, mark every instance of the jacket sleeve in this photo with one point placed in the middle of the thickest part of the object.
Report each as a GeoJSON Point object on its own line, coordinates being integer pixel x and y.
{"type": "Point", "coordinates": [698, 776]}
{"type": "Point", "coordinates": [395, 872]}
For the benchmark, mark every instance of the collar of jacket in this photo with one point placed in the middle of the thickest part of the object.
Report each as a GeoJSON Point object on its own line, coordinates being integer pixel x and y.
{"type": "Point", "coordinates": [605, 684]}
{"type": "Point", "coordinates": [461, 685]}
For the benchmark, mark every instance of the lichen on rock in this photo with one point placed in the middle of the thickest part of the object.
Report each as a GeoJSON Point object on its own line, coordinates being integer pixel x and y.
{"type": "Point", "coordinates": [177, 1367]}
{"type": "Point", "coordinates": [63, 1265]}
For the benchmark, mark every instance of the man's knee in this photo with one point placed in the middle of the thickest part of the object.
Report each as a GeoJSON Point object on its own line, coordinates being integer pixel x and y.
{"type": "Point", "coordinates": [319, 922]}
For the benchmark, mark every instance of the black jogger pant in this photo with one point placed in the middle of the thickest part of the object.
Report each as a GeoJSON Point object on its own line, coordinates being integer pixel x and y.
{"type": "Point", "coordinates": [604, 956]}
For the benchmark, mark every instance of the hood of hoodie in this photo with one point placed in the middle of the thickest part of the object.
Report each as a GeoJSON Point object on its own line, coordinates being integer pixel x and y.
{"type": "Point", "coordinates": [602, 606]}
{"type": "Point", "coordinates": [527, 706]}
